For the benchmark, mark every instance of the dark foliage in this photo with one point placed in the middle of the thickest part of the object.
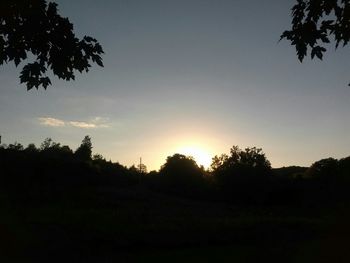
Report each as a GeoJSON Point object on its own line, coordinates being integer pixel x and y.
{"type": "Point", "coordinates": [315, 22]}
{"type": "Point", "coordinates": [181, 175]}
{"type": "Point", "coordinates": [54, 171]}
{"type": "Point", "coordinates": [84, 151]}
{"type": "Point", "coordinates": [344, 168]}
{"type": "Point", "coordinates": [244, 175]}
{"type": "Point", "coordinates": [181, 168]}
{"type": "Point", "coordinates": [55, 203]}
{"type": "Point", "coordinates": [325, 169]}
{"type": "Point", "coordinates": [290, 171]}
{"type": "Point", "coordinates": [34, 27]}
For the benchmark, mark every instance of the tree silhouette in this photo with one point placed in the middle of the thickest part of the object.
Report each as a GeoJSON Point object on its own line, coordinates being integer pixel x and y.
{"type": "Point", "coordinates": [218, 161]}
{"type": "Point", "coordinates": [180, 165]}
{"type": "Point", "coordinates": [242, 175]}
{"type": "Point", "coordinates": [314, 22]}
{"type": "Point", "coordinates": [31, 148]}
{"type": "Point", "coordinates": [15, 146]}
{"type": "Point", "coordinates": [35, 27]}
{"type": "Point", "coordinates": [323, 169]}
{"type": "Point", "coordinates": [47, 144]}
{"type": "Point", "coordinates": [181, 173]}
{"type": "Point", "coordinates": [344, 170]}
{"type": "Point", "coordinates": [142, 168]}
{"type": "Point", "coordinates": [84, 151]}
{"type": "Point", "coordinates": [248, 162]}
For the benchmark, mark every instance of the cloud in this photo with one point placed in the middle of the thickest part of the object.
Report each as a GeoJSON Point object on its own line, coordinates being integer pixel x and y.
{"type": "Point", "coordinates": [82, 124]}
{"type": "Point", "coordinates": [52, 122]}
{"type": "Point", "coordinates": [99, 119]}
{"type": "Point", "coordinates": [101, 122]}
{"type": "Point", "coordinates": [97, 122]}
{"type": "Point", "coordinates": [94, 123]}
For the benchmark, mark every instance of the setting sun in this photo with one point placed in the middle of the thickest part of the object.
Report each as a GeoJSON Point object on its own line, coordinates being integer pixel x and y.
{"type": "Point", "coordinates": [200, 155]}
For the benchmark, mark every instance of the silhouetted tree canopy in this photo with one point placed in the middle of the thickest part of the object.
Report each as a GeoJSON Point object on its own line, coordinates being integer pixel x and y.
{"type": "Point", "coordinates": [84, 151]}
{"type": "Point", "coordinates": [290, 171]}
{"type": "Point", "coordinates": [324, 169]}
{"type": "Point", "coordinates": [181, 170]}
{"type": "Point", "coordinates": [182, 176]}
{"type": "Point", "coordinates": [48, 143]}
{"type": "Point", "coordinates": [52, 150]}
{"type": "Point", "coordinates": [218, 162]}
{"type": "Point", "coordinates": [142, 168]}
{"type": "Point", "coordinates": [242, 177]}
{"type": "Point", "coordinates": [344, 168]}
{"type": "Point", "coordinates": [15, 146]}
{"type": "Point", "coordinates": [31, 148]}
{"type": "Point", "coordinates": [180, 165]}
{"type": "Point", "coordinates": [34, 27]}
{"type": "Point", "coordinates": [243, 174]}
{"type": "Point", "coordinates": [249, 162]}
{"type": "Point", "coordinates": [315, 22]}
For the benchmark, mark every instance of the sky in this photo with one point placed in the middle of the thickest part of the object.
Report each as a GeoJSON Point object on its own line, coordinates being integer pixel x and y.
{"type": "Point", "coordinates": [187, 76]}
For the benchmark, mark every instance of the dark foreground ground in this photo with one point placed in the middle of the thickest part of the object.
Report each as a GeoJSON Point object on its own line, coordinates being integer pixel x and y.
{"type": "Point", "coordinates": [136, 224]}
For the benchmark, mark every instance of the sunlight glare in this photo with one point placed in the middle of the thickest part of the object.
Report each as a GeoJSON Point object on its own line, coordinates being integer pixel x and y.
{"type": "Point", "coordinates": [201, 156]}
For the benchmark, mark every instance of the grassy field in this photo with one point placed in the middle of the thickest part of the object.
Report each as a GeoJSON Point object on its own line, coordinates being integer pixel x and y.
{"type": "Point", "coordinates": [135, 224]}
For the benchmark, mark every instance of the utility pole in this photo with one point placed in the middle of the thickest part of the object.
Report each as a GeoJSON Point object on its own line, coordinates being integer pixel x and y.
{"type": "Point", "coordinates": [140, 164]}
{"type": "Point", "coordinates": [140, 175]}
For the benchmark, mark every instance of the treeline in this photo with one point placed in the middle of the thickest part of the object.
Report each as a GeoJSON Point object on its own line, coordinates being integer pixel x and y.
{"type": "Point", "coordinates": [54, 170]}
{"type": "Point", "coordinates": [242, 177]}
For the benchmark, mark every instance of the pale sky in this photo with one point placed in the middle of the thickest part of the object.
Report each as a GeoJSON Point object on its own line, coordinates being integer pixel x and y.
{"type": "Point", "coordinates": [187, 74]}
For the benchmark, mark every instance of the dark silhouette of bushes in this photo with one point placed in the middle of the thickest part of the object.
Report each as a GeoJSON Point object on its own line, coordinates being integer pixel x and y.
{"type": "Point", "coordinates": [243, 177]}
{"type": "Point", "coordinates": [328, 182]}
{"type": "Point", "coordinates": [53, 172]}
{"type": "Point", "coordinates": [84, 151]}
{"type": "Point", "coordinates": [181, 175]}
{"type": "Point", "coordinates": [290, 172]}
{"type": "Point", "coordinates": [60, 201]}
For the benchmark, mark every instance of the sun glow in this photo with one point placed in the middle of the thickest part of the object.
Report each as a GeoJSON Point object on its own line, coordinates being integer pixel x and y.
{"type": "Point", "coordinates": [200, 155]}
